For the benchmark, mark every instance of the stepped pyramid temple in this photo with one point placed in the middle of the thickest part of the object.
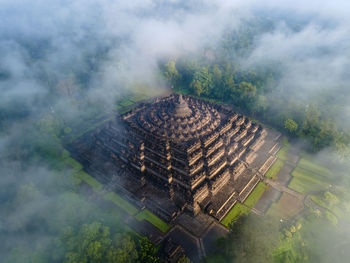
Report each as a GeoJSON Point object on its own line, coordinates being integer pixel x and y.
{"type": "Point", "coordinates": [178, 153]}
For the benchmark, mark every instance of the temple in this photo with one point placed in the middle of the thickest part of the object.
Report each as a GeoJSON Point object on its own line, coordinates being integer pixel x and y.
{"type": "Point", "coordinates": [177, 153]}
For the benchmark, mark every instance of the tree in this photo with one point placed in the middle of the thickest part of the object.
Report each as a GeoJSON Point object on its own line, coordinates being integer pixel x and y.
{"type": "Point", "coordinates": [228, 81]}
{"type": "Point", "coordinates": [202, 82]}
{"type": "Point", "coordinates": [93, 243]}
{"type": "Point", "coordinates": [246, 90]}
{"type": "Point", "coordinates": [171, 73]}
{"type": "Point", "coordinates": [196, 87]}
{"type": "Point", "coordinates": [184, 259]}
{"type": "Point", "coordinates": [291, 126]}
{"type": "Point", "coordinates": [292, 247]}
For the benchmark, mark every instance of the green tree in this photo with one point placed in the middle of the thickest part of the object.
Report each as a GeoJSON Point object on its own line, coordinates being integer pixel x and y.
{"type": "Point", "coordinates": [171, 73]}
{"type": "Point", "coordinates": [183, 259]}
{"type": "Point", "coordinates": [247, 90]}
{"type": "Point", "coordinates": [93, 243]}
{"type": "Point", "coordinates": [202, 82]}
{"type": "Point", "coordinates": [147, 252]}
{"type": "Point", "coordinates": [228, 81]}
{"type": "Point", "coordinates": [291, 126]}
{"type": "Point", "coordinates": [218, 90]}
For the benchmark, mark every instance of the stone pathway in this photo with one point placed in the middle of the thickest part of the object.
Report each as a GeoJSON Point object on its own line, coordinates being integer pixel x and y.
{"type": "Point", "coordinates": [283, 188]}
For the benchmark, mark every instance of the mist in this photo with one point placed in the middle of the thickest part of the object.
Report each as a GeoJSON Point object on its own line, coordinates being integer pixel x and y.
{"type": "Point", "coordinates": [65, 61]}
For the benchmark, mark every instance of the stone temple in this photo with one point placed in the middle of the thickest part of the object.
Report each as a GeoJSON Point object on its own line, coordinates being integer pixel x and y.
{"type": "Point", "coordinates": [177, 153]}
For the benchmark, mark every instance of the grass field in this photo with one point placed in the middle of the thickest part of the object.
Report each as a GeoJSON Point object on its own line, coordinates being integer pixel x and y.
{"type": "Point", "coordinates": [131, 99]}
{"type": "Point", "coordinates": [274, 210]}
{"type": "Point", "coordinates": [76, 166]}
{"type": "Point", "coordinates": [254, 197]}
{"type": "Point", "coordinates": [306, 181]}
{"type": "Point", "coordinates": [120, 202]}
{"type": "Point", "coordinates": [91, 128]}
{"type": "Point", "coordinates": [249, 203]}
{"type": "Point", "coordinates": [307, 164]}
{"type": "Point", "coordinates": [238, 210]}
{"type": "Point", "coordinates": [335, 209]}
{"type": "Point", "coordinates": [83, 176]}
{"type": "Point", "coordinates": [274, 169]}
{"type": "Point", "coordinates": [282, 153]}
{"type": "Point", "coordinates": [153, 219]}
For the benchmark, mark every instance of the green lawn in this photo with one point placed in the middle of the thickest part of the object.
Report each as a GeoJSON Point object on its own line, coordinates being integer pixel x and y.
{"type": "Point", "coordinates": [124, 103]}
{"type": "Point", "coordinates": [274, 210]}
{"type": "Point", "coordinates": [76, 166]}
{"type": "Point", "coordinates": [249, 203]}
{"type": "Point", "coordinates": [282, 153]}
{"type": "Point", "coordinates": [307, 164]}
{"type": "Point", "coordinates": [254, 197]}
{"type": "Point", "coordinates": [138, 97]}
{"type": "Point", "coordinates": [238, 210]}
{"type": "Point", "coordinates": [91, 128]}
{"type": "Point", "coordinates": [153, 219]}
{"type": "Point", "coordinates": [80, 176]}
{"type": "Point", "coordinates": [273, 171]}
{"type": "Point", "coordinates": [335, 209]}
{"type": "Point", "coordinates": [83, 176]}
{"type": "Point", "coordinates": [120, 202]}
{"type": "Point", "coordinates": [305, 181]}
{"type": "Point", "coordinates": [131, 99]}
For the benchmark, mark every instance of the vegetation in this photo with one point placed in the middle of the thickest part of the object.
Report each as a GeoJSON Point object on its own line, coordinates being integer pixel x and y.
{"type": "Point", "coordinates": [240, 209]}
{"type": "Point", "coordinates": [120, 202]}
{"type": "Point", "coordinates": [248, 91]}
{"type": "Point", "coordinates": [49, 220]}
{"type": "Point", "coordinates": [84, 177]}
{"type": "Point", "coordinates": [330, 202]}
{"type": "Point", "coordinates": [306, 163]}
{"type": "Point", "coordinates": [153, 219]}
{"type": "Point", "coordinates": [282, 153]}
{"type": "Point", "coordinates": [274, 169]}
{"type": "Point", "coordinates": [74, 228]}
{"type": "Point", "coordinates": [304, 181]}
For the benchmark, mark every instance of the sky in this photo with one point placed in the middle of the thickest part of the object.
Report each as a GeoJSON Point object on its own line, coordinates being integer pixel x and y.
{"type": "Point", "coordinates": [139, 33]}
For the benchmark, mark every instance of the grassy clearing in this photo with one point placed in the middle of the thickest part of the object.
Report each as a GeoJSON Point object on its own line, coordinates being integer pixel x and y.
{"type": "Point", "coordinates": [76, 166]}
{"type": "Point", "coordinates": [307, 164]}
{"type": "Point", "coordinates": [274, 210]}
{"type": "Point", "coordinates": [305, 181]}
{"type": "Point", "coordinates": [254, 197]}
{"type": "Point", "coordinates": [126, 103]}
{"type": "Point", "coordinates": [120, 202]}
{"type": "Point", "coordinates": [91, 128]}
{"type": "Point", "coordinates": [95, 185]}
{"type": "Point", "coordinates": [335, 209]}
{"type": "Point", "coordinates": [153, 219]}
{"type": "Point", "coordinates": [282, 153]}
{"type": "Point", "coordinates": [273, 171]}
{"type": "Point", "coordinates": [240, 209]}
{"type": "Point", "coordinates": [81, 176]}
{"type": "Point", "coordinates": [138, 97]}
